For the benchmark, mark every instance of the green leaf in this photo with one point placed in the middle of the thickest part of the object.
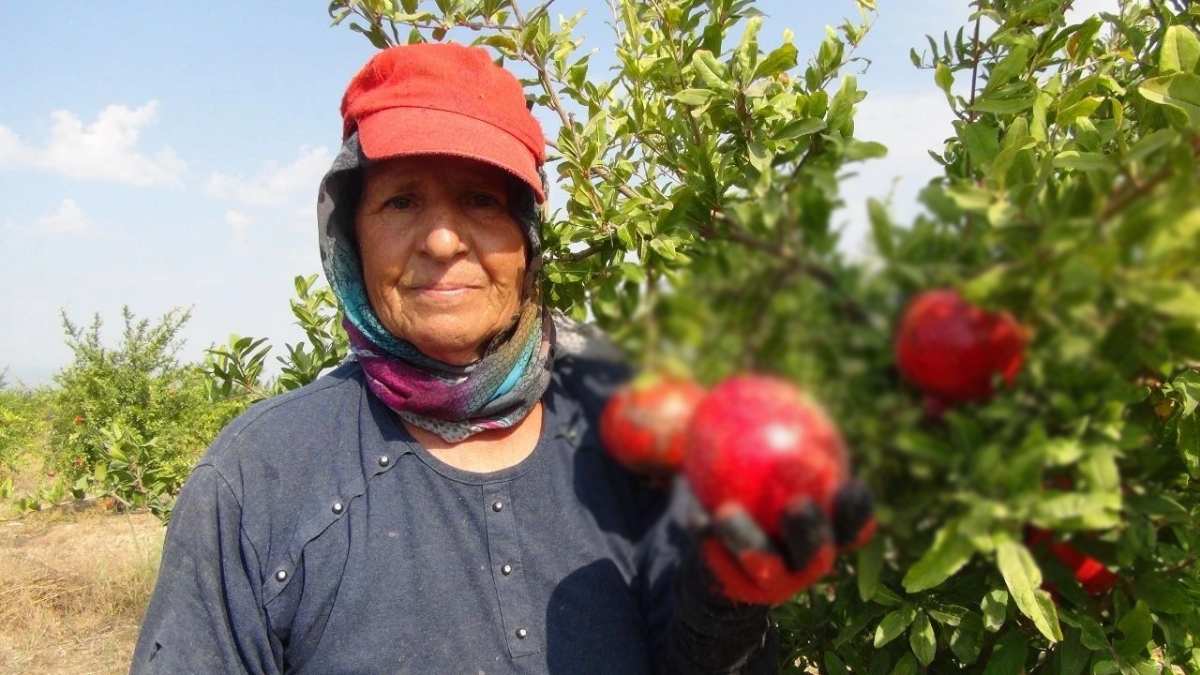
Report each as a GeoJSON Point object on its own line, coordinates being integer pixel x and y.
{"type": "Point", "coordinates": [1008, 100]}
{"type": "Point", "coordinates": [982, 141]}
{"type": "Point", "coordinates": [800, 128]}
{"type": "Point", "coordinates": [1138, 627]}
{"type": "Point", "coordinates": [1161, 593]}
{"type": "Point", "coordinates": [907, 665]}
{"type": "Point", "coordinates": [1008, 656]}
{"type": "Point", "coordinates": [1072, 655]}
{"type": "Point", "coordinates": [943, 77]}
{"type": "Point", "coordinates": [922, 640]}
{"type": "Point", "coordinates": [881, 230]}
{"type": "Point", "coordinates": [893, 625]}
{"type": "Point", "coordinates": [970, 198]}
{"type": "Point", "coordinates": [694, 97]}
{"type": "Point", "coordinates": [981, 288]}
{"type": "Point", "coordinates": [857, 151]}
{"type": "Point", "coordinates": [967, 638]}
{"type": "Point", "coordinates": [948, 553]}
{"type": "Point", "coordinates": [1091, 634]}
{"type": "Point", "coordinates": [1178, 299]}
{"type": "Point", "coordinates": [1063, 451]}
{"type": "Point", "coordinates": [1180, 50]}
{"type": "Point", "coordinates": [778, 61]}
{"type": "Point", "coordinates": [995, 609]}
{"type": "Point", "coordinates": [886, 596]}
{"type": "Point", "coordinates": [1179, 92]}
{"type": "Point", "coordinates": [500, 41]}
{"type": "Point", "coordinates": [1008, 68]}
{"type": "Point", "coordinates": [1022, 576]}
{"type": "Point", "coordinates": [1188, 443]}
{"type": "Point", "coordinates": [834, 664]}
{"type": "Point", "coordinates": [1083, 108]}
{"type": "Point", "coordinates": [712, 72]}
{"type": "Point", "coordinates": [870, 561]}
{"type": "Point", "coordinates": [1079, 511]}
{"type": "Point", "coordinates": [1083, 161]}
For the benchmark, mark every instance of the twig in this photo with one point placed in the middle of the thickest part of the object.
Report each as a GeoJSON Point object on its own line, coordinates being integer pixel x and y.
{"type": "Point", "coordinates": [975, 69]}
{"type": "Point", "coordinates": [576, 256]}
{"type": "Point", "coordinates": [1135, 190]}
{"type": "Point", "coordinates": [603, 172]}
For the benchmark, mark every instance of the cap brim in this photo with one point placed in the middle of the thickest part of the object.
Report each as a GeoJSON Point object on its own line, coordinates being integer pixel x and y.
{"type": "Point", "coordinates": [399, 132]}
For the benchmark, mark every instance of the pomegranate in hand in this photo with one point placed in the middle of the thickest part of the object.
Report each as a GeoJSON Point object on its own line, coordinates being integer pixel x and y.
{"type": "Point", "coordinates": [643, 424]}
{"type": "Point", "coordinates": [769, 465]}
{"type": "Point", "coordinates": [951, 349]}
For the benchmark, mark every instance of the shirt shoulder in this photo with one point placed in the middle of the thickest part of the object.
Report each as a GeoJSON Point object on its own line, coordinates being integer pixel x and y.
{"type": "Point", "coordinates": [284, 452]}
{"type": "Point", "coordinates": [271, 430]}
{"type": "Point", "coordinates": [590, 381]}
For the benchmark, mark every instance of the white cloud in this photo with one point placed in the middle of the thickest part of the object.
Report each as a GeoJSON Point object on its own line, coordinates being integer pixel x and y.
{"type": "Point", "coordinates": [106, 149]}
{"type": "Point", "coordinates": [909, 124]}
{"type": "Point", "coordinates": [239, 224]}
{"type": "Point", "coordinates": [68, 218]}
{"type": "Point", "coordinates": [274, 184]}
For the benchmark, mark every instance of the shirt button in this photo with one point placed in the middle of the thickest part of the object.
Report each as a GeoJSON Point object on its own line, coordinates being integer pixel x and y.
{"type": "Point", "coordinates": [384, 460]}
{"type": "Point", "coordinates": [497, 506]}
{"type": "Point", "coordinates": [522, 633]}
{"type": "Point", "coordinates": [281, 576]}
{"type": "Point", "coordinates": [338, 507]}
{"type": "Point", "coordinates": [506, 569]}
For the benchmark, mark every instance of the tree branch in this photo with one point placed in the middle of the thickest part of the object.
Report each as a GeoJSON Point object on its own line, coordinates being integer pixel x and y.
{"type": "Point", "coordinates": [1133, 190]}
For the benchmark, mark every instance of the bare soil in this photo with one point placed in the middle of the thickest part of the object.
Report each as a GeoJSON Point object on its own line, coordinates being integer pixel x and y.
{"type": "Point", "coordinates": [73, 587]}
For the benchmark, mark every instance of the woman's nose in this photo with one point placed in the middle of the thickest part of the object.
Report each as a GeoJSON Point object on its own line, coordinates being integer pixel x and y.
{"type": "Point", "coordinates": [443, 240]}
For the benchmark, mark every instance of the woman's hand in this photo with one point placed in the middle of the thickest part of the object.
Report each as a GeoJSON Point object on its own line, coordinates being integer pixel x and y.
{"type": "Point", "coordinates": [748, 566]}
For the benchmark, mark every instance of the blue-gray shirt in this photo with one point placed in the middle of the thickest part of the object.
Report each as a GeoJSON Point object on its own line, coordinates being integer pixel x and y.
{"type": "Point", "coordinates": [316, 536]}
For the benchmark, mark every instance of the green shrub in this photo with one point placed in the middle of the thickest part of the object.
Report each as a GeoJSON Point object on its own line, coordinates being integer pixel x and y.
{"type": "Point", "coordinates": [24, 421]}
{"type": "Point", "coordinates": [130, 422]}
{"type": "Point", "coordinates": [235, 371]}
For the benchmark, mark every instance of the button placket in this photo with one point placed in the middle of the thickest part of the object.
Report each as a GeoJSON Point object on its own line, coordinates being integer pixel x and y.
{"type": "Point", "coordinates": [512, 590]}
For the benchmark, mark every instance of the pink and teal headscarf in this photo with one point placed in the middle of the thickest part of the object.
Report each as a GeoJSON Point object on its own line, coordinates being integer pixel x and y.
{"type": "Point", "coordinates": [454, 402]}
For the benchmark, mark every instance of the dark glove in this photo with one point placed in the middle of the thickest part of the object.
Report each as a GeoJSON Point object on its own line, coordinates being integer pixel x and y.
{"type": "Point", "coordinates": [723, 599]}
{"type": "Point", "coordinates": [750, 567]}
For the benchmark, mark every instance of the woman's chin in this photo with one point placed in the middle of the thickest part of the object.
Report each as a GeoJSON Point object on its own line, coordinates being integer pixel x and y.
{"type": "Point", "coordinates": [446, 342]}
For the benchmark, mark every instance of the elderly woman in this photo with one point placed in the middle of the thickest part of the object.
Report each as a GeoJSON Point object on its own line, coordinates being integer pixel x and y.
{"type": "Point", "coordinates": [440, 502]}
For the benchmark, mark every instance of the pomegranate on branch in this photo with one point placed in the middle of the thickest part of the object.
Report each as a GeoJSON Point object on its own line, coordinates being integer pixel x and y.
{"type": "Point", "coordinates": [952, 349]}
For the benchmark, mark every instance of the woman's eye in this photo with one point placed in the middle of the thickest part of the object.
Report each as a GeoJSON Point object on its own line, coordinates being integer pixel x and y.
{"type": "Point", "coordinates": [484, 199]}
{"type": "Point", "coordinates": [399, 202]}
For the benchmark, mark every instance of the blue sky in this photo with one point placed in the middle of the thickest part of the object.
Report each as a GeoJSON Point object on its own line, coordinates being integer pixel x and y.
{"type": "Point", "coordinates": [167, 154]}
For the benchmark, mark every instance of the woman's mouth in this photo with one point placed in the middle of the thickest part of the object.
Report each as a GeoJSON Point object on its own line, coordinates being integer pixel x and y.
{"type": "Point", "coordinates": [442, 292]}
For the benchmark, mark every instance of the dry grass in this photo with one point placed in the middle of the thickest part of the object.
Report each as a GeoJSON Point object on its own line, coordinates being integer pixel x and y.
{"type": "Point", "coordinates": [73, 587]}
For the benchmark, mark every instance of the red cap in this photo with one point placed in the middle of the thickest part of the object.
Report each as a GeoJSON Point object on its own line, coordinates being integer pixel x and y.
{"type": "Point", "coordinates": [444, 99]}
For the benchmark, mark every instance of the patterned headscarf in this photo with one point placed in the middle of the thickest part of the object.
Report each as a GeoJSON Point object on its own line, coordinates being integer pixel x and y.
{"type": "Point", "coordinates": [454, 402]}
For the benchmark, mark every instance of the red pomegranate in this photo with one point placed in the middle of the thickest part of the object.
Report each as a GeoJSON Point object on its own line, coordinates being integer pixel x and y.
{"type": "Point", "coordinates": [760, 442]}
{"type": "Point", "coordinates": [643, 424]}
{"type": "Point", "coordinates": [951, 349]}
{"type": "Point", "coordinates": [1092, 574]}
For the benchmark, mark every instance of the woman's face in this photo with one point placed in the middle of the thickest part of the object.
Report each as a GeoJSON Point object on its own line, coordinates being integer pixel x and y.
{"type": "Point", "coordinates": [443, 259]}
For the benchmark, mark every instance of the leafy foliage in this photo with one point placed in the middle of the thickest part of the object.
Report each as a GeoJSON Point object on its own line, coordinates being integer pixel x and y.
{"type": "Point", "coordinates": [23, 425]}
{"type": "Point", "coordinates": [235, 371]}
{"type": "Point", "coordinates": [700, 177]}
{"type": "Point", "coordinates": [129, 422]}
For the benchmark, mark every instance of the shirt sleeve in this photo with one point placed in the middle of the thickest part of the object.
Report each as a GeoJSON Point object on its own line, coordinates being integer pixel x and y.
{"type": "Point", "coordinates": [691, 630]}
{"type": "Point", "coordinates": [206, 613]}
